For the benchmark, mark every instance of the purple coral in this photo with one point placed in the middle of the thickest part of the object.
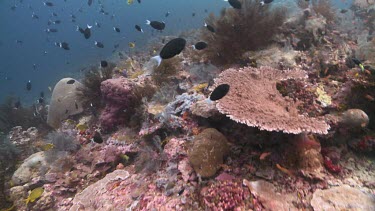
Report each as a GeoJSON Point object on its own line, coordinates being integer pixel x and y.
{"type": "Point", "coordinates": [225, 195]}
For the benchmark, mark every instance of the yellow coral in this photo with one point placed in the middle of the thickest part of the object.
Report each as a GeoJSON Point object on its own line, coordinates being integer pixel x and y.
{"type": "Point", "coordinates": [323, 97]}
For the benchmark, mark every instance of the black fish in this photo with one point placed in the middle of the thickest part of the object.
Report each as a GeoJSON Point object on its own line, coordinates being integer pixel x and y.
{"type": "Point", "coordinates": [19, 41]}
{"type": "Point", "coordinates": [167, 14]}
{"type": "Point", "coordinates": [219, 92]}
{"type": "Point", "coordinates": [33, 16]}
{"type": "Point", "coordinates": [209, 27]}
{"type": "Point", "coordinates": [116, 46]}
{"type": "Point", "coordinates": [42, 94]}
{"type": "Point", "coordinates": [200, 46]}
{"type": "Point", "coordinates": [51, 30]}
{"type": "Point", "coordinates": [66, 111]}
{"type": "Point", "coordinates": [56, 22]}
{"type": "Point", "coordinates": [356, 61]}
{"type": "Point", "coordinates": [138, 28]}
{"type": "Point", "coordinates": [205, 10]}
{"type": "Point", "coordinates": [89, 2]}
{"type": "Point", "coordinates": [171, 49]}
{"type": "Point", "coordinates": [28, 86]}
{"type": "Point", "coordinates": [40, 100]}
{"type": "Point", "coordinates": [139, 1]}
{"type": "Point", "coordinates": [50, 4]}
{"type": "Point", "coordinates": [156, 24]}
{"type": "Point", "coordinates": [97, 24]}
{"type": "Point", "coordinates": [86, 32]}
{"type": "Point", "coordinates": [103, 63]}
{"type": "Point", "coordinates": [193, 14]}
{"type": "Point", "coordinates": [343, 11]}
{"type": "Point", "coordinates": [263, 2]}
{"type": "Point", "coordinates": [116, 29]}
{"type": "Point", "coordinates": [99, 44]}
{"type": "Point", "coordinates": [17, 104]}
{"type": "Point", "coordinates": [97, 138]}
{"type": "Point", "coordinates": [63, 45]}
{"type": "Point", "coordinates": [71, 81]}
{"type": "Point", "coordinates": [54, 14]}
{"type": "Point", "coordinates": [235, 4]}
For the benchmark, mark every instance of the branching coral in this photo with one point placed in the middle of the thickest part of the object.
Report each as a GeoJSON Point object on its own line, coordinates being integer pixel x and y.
{"type": "Point", "coordinates": [236, 32]}
{"type": "Point", "coordinates": [254, 100]}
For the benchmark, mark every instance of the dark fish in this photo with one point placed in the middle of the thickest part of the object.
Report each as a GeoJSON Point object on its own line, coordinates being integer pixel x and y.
{"type": "Point", "coordinates": [343, 11]}
{"type": "Point", "coordinates": [19, 41]}
{"type": "Point", "coordinates": [97, 138]}
{"type": "Point", "coordinates": [56, 22]}
{"type": "Point", "coordinates": [234, 3]}
{"type": "Point", "coordinates": [63, 45]}
{"type": "Point", "coordinates": [86, 32]}
{"type": "Point", "coordinates": [356, 61]}
{"type": "Point", "coordinates": [167, 14]}
{"type": "Point", "coordinates": [116, 46]}
{"type": "Point", "coordinates": [103, 63]}
{"type": "Point", "coordinates": [40, 100]}
{"type": "Point", "coordinates": [138, 28]}
{"type": "Point", "coordinates": [209, 27]}
{"type": "Point", "coordinates": [76, 105]}
{"type": "Point", "coordinates": [97, 24]}
{"type": "Point", "coordinates": [51, 30]}
{"type": "Point", "coordinates": [89, 2]}
{"type": "Point", "coordinates": [219, 92]}
{"type": "Point", "coordinates": [116, 29]}
{"type": "Point", "coordinates": [99, 44]}
{"type": "Point", "coordinates": [200, 46]}
{"type": "Point", "coordinates": [54, 14]}
{"type": "Point", "coordinates": [181, 192]}
{"type": "Point", "coordinates": [49, 4]}
{"type": "Point", "coordinates": [17, 104]}
{"type": "Point", "coordinates": [193, 14]}
{"type": "Point", "coordinates": [205, 10]}
{"type": "Point", "coordinates": [42, 94]}
{"type": "Point", "coordinates": [171, 49]}
{"type": "Point", "coordinates": [33, 16]}
{"type": "Point", "coordinates": [156, 24]}
{"type": "Point", "coordinates": [71, 81]}
{"type": "Point", "coordinates": [263, 2]}
{"type": "Point", "coordinates": [139, 1]}
{"type": "Point", "coordinates": [34, 66]}
{"type": "Point", "coordinates": [28, 85]}
{"type": "Point", "coordinates": [66, 111]}
{"type": "Point", "coordinates": [13, 7]}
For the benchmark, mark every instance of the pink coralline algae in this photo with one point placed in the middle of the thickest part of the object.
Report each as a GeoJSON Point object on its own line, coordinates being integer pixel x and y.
{"type": "Point", "coordinates": [117, 94]}
{"type": "Point", "coordinates": [226, 195]}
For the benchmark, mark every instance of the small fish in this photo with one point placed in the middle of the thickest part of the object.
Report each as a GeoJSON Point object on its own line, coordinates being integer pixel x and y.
{"type": "Point", "coordinates": [219, 92]}
{"type": "Point", "coordinates": [82, 127]}
{"type": "Point", "coordinates": [76, 104]}
{"type": "Point", "coordinates": [181, 192]}
{"type": "Point", "coordinates": [343, 11]}
{"type": "Point", "coordinates": [138, 28]}
{"type": "Point", "coordinates": [99, 44]}
{"type": "Point", "coordinates": [236, 4]}
{"type": "Point", "coordinates": [209, 27]}
{"type": "Point", "coordinates": [156, 24]}
{"type": "Point", "coordinates": [66, 111]}
{"type": "Point", "coordinates": [86, 32]}
{"type": "Point", "coordinates": [103, 63]}
{"type": "Point", "coordinates": [34, 16]}
{"type": "Point", "coordinates": [28, 85]}
{"type": "Point", "coordinates": [47, 146]}
{"type": "Point", "coordinates": [167, 14]}
{"type": "Point", "coordinates": [63, 45]}
{"type": "Point", "coordinates": [130, 2]}
{"type": "Point", "coordinates": [193, 14]}
{"type": "Point", "coordinates": [71, 81]}
{"type": "Point", "coordinates": [97, 24]}
{"type": "Point", "coordinates": [139, 1]}
{"type": "Point", "coordinates": [263, 2]}
{"type": "Point", "coordinates": [40, 100]}
{"type": "Point", "coordinates": [54, 14]}
{"type": "Point", "coordinates": [17, 104]}
{"type": "Point", "coordinates": [116, 29]}
{"type": "Point", "coordinates": [359, 63]}
{"type": "Point", "coordinates": [50, 89]}
{"type": "Point", "coordinates": [49, 4]}
{"type": "Point", "coordinates": [171, 49]}
{"type": "Point", "coordinates": [51, 30]}
{"type": "Point", "coordinates": [41, 94]}
{"type": "Point", "coordinates": [131, 45]}
{"type": "Point", "coordinates": [97, 138]}
{"type": "Point", "coordinates": [89, 2]}
{"type": "Point", "coordinates": [56, 22]}
{"type": "Point", "coordinates": [19, 42]}
{"type": "Point", "coordinates": [34, 195]}
{"type": "Point", "coordinates": [199, 46]}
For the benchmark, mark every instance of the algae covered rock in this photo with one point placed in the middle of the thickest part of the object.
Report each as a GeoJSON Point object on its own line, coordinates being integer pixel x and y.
{"type": "Point", "coordinates": [354, 118]}
{"type": "Point", "coordinates": [208, 151]}
{"type": "Point", "coordinates": [65, 101]}
{"type": "Point", "coordinates": [342, 198]}
{"type": "Point", "coordinates": [33, 166]}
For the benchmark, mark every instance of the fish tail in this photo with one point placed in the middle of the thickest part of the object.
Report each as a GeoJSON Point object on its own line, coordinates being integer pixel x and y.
{"type": "Point", "coordinates": [158, 59]}
{"type": "Point", "coordinates": [148, 22]}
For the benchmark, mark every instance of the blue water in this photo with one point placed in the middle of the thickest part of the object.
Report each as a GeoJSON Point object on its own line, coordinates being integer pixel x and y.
{"type": "Point", "coordinates": [16, 66]}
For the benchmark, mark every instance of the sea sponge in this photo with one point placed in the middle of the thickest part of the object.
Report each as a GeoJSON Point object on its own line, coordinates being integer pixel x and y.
{"type": "Point", "coordinates": [208, 151]}
{"type": "Point", "coordinates": [65, 101]}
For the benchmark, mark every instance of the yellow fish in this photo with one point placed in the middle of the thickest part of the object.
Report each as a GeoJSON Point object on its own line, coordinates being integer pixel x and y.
{"type": "Point", "coordinates": [130, 2]}
{"type": "Point", "coordinates": [34, 195]}
{"type": "Point", "coordinates": [81, 127]}
{"type": "Point", "coordinates": [47, 146]}
{"type": "Point", "coordinates": [131, 45]}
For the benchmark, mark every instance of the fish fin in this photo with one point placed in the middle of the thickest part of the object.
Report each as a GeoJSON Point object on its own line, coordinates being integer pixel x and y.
{"type": "Point", "coordinates": [225, 0]}
{"type": "Point", "coordinates": [193, 46]}
{"type": "Point", "coordinates": [158, 59]}
{"type": "Point", "coordinates": [88, 26]}
{"type": "Point", "coordinates": [148, 22]}
{"type": "Point", "coordinates": [205, 24]}
{"type": "Point", "coordinates": [142, 30]}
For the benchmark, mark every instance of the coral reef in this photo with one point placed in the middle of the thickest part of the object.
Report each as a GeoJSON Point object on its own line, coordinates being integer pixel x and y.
{"type": "Point", "coordinates": [65, 101]}
{"type": "Point", "coordinates": [24, 140]}
{"type": "Point", "coordinates": [254, 100]}
{"type": "Point", "coordinates": [208, 152]}
{"type": "Point", "coordinates": [239, 31]}
{"type": "Point", "coordinates": [324, 8]}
